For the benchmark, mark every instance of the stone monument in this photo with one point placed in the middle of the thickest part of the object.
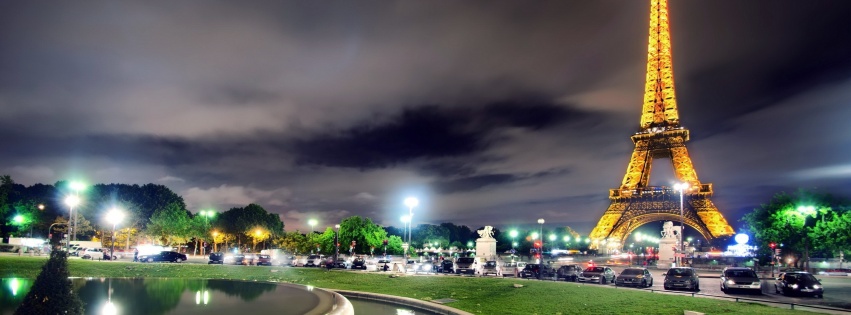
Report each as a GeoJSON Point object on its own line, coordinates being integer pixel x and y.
{"type": "Point", "coordinates": [668, 244]}
{"type": "Point", "coordinates": [486, 244]}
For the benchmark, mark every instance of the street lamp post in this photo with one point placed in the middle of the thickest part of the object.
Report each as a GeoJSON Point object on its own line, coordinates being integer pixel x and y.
{"type": "Point", "coordinates": [513, 235]}
{"type": "Point", "coordinates": [207, 214]}
{"type": "Point", "coordinates": [806, 211]}
{"type": "Point", "coordinates": [405, 245]}
{"type": "Point", "coordinates": [336, 241]}
{"type": "Point", "coordinates": [114, 216]}
{"type": "Point", "coordinates": [541, 222]}
{"type": "Point", "coordinates": [681, 187]}
{"type": "Point", "coordinates": [312, 223]}
{"type": "Point", "coordinates": [76, 187]}
{"type": "Point", "coordinates": [71, 201]}
{"type": "Point", "coordinates": [411, 202]}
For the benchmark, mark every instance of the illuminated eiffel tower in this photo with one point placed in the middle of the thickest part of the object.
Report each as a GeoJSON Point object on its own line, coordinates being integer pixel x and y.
{"type": "Point", "coordinates": [660, 136]}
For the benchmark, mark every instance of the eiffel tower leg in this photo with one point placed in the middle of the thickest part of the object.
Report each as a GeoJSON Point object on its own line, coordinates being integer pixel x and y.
{"type": "Point", "coordinates": [711, 217]}
{"type": "Point", "coordinates": [607, 222]}
{"type": "Point", "coordinates": [638, 169]}
{"type": "Point", "coordinates": [682, 162]}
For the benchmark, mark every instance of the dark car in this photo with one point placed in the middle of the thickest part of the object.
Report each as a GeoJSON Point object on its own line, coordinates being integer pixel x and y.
{"type": "Point", "coordinates": [639, 277]}
{"type": "Point", "coordinates": [446, 266]}
{"type": "Point", "coordinates": [798, 283]}
{"type": "Point", "coordinates": [597, 274]}
{"type": "Point", "coordinates": [537, 271]}
{"type": "Point", "coordinates": [163, 256]}
{"type": "Point", "coordinates": [465, 265]}
{"type": "Point", "coordinates": [216, 258]}
{"type": "Point", "coordinates": [264, 260]}
{"type": "Point", "coordinates": [682, 278]}
{"type": "Point", "coordinates": [359, 263]}
{"type": "Point", "coordinates": [568, 272]}
{"type": "Point", "coordinates": [743, 278]}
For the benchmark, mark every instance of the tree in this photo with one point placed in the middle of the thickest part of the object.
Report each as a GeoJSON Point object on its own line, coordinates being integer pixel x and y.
{"type": "Point", "coordinates": [52, 292]}
{"type": "Point", "coordinates": [801, 222]}
{"type": "Point", "coordinates": [293, 242]}
{"type": "Point", "coordinates": [170, 224]}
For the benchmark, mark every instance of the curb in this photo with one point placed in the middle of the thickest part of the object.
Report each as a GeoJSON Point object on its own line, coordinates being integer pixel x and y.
{"type": "Point", "coordinates": [414, 303]}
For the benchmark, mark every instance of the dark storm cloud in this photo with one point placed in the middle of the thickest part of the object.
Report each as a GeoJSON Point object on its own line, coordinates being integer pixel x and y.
{"type": "Point", "coordinates": [430, 132]}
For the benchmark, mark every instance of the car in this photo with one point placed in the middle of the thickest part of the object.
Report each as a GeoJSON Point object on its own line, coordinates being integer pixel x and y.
{"type": "Point", "coordinates": [234, 258]}
{"type": "Point", "coordinates": [508, 269]}
{"type": "Point", "coordinates": [93, 253]}
{"type": "Point", "coordinates": [740, 278]}
{"type": "Point", "coordinates": [490, 267]}
{"type": "Point", "coordinates": [423, 267]}
{"type": "Point", "coordinates": [639, 277]}
{"type": "Point", "coordinates": [598, 274]}
{"type": "Point", "coordinates": [798, 283]}
{"type": "Point", "coordinates": [313, 261]}
{"type": "Point", "coordinates": [264, 260]}
{"type": "Point", "coordinates": [568, 272]}
{"type": "Point", "coordinates": [216, 258]}
{"type": "Point", "coordinates": [250, 259]}
{"type": "Point", "coordinates": [464, 265]}
{"type": "Point", "coordinates": [163, 256]}
{"type": "Point", "coordinates": [359, 263]}
{"type": "Point", "coordinates": [682, 278]}
{"type": "Point", "coordinates": [341, 263]}
{"type": "Point", "coordinates": [537, 271]}
{"type": "Point", "coordinates": [446, 266]}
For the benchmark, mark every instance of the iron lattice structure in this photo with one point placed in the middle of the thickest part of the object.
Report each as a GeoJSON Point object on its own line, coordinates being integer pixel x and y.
{"type": "Point", "coordinates": [660, 136]}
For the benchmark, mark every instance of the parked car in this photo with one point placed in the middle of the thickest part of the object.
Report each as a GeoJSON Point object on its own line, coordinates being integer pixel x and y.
{"type": "Point", "coordinates": [359, 263]}
{"type": "Point", "coordinates": [93, 253]}
{"type": "Point", "coordinates": [639, 277]}
{"type": "Point", "coordinates": [446, 266]}
{"type": "Point", "coordinates": [597, 274]}
{"type": "Point", "coordinates": [508, 269]}
{"type": "Point", "coordinates": [250, 259]}
{"type": "Point", "coordinates": [423, 267]}
{"type": "Point", "coordinates": [341, 263]}
{"type": "Point", "coordinates": [464, 265]}
{"type": "Point", "coordinates": [682, 278]}
{"type": "Point", "coordinates": [740, 278]}
{"type": "Point", "coordinates": [234, 258]}
{"type": "Point", "coordinates": [313, 261]}
{"type": "Point", "coordinates": [216, 258]}
{"type": "Point", "coordinates": [490, 267]}
{"type": "Point", "coordinates": [163, 256]}
{"type": "Point", "coordinates": [568, 272]}
{"type": "Point", "coordinates": [537, 271]}
{"type": "Point", "coordinates": [798, 283]}
{"type": "Point", "coordinates": [264, 260]}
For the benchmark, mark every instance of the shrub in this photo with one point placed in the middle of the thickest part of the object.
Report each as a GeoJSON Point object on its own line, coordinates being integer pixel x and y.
{"type": "Point", "coordinates": [52, 292]}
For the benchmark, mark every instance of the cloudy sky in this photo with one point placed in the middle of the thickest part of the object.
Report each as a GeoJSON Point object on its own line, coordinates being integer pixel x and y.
{"type": "Point", "coordinates": [491, 112]}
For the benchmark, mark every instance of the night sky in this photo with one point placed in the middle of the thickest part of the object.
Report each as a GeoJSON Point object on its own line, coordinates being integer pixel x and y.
{"type": "Point", "coordinates": [490, 112]}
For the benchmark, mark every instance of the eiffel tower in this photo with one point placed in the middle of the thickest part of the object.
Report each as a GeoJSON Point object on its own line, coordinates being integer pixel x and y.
{"type": "Point", "coordinates": [660, 136]}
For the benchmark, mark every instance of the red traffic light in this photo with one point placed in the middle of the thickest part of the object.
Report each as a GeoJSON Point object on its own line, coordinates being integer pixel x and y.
{"type": "Point", "coordinates": [772, 245]}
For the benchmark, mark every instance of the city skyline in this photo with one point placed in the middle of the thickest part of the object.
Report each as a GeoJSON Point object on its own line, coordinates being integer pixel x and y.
{"type": "Point", "coordinates": [489, 117]}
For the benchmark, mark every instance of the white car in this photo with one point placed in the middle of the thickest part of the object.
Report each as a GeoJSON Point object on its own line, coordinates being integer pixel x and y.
{"type": "Point", "coordinates": [92, 253]}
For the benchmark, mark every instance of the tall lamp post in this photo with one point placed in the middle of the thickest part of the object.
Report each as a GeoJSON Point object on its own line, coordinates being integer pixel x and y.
{"type": "Point", "coordinates": [406, 220]}
{"type": "Point", "coordinates": [71, 201]}
{"type": "Point", "coordinates": [681, 187]}
{"type": "Point", "coordinates": [805, 211]}
{"type": "Point", "coordinates": [312, 223]}
{"type": "Point", "coordinates": [336, 242]}
{"type": "Point", "coordinates": [541, 222]}
{"type": "Point", "coordinates": [76, 187]}
{"type": "Point", "coordinates": [114, 216]}
{"type": "Point", "coordinates": [513, 235]}
{"type": "Point", "coordinates": [207, 214]}
{"type": "Point", "coordinates": [411, 202]}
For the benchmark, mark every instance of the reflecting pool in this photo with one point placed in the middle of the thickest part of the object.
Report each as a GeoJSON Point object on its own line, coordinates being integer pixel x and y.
{"type": "Point", "coordinates": [209, 297]}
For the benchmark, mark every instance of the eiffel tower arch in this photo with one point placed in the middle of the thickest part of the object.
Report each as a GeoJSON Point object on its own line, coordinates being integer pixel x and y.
{"type": "Point", "coordinates": [660, 136]}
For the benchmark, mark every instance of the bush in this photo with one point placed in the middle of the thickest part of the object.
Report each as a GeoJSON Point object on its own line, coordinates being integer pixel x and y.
{"type": "Point", "coordinates": [52, 292]}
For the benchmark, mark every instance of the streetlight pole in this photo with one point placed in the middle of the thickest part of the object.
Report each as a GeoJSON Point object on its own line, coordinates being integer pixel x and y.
{"type": "Point", "coordinates": [806, 211]}
{"type": "Point", "coordinates": [541, 222]}
{"type": "Point", "coordinates": [312, 223]}
{"type": "Point", "coordinates": [411, 202]}
{"type": "Point", "coordinates": [71, 201]}
{"type": "Point", "coordinates": [207, 214]}
{"type": "Point", "coordinates": [76, 187]}
{"type": "Point", "coordinates": [114, 216]}
{"type": "Point", "coordinates": [336, 242]}
{"type": "Point", "coordinates": [681, 187]}
{"type": "Point", "coordinates": [405, 245]}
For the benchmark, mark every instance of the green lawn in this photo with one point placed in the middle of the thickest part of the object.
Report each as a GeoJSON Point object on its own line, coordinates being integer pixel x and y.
{"type": "Point", "coordinates": [475, 295]}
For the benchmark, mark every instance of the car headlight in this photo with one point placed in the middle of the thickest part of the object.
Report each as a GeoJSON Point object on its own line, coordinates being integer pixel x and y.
{"type": "Point", "coordinates": [639, 276]}
{"type": "Point", "coordinates": [816, 286]}
{"type": "Point", "coordinates": [731, 282]}
{"type": "Point", "coordinates": [794, 286]}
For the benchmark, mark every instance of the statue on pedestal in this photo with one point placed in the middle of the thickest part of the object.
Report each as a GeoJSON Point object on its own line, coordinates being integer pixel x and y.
{"type": "Point", "coordinates": [486, 233]}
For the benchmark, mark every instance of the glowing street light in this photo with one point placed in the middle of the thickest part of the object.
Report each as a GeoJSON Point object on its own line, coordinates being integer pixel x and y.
{"type": "Point", "coordinates": [114, 216]}
{"type": "Point", "coordinates": [806, 211]}
{"type": "Point", "coordinates": [541, 222]}
{"type": "Point", "coordinates": [71, 201]}
{"type": "Point", "coordinates": [410, 202]}
{"type": "Point", "coordinates": [513, 234]}
{"type": "Point", "coordinates": [312, 223]}
{"type": "Point", "coordinates": [681, 187]}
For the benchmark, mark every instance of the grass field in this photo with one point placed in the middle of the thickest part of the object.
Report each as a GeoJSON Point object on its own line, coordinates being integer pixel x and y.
{"type": "Point", "coordinates": [475, 295]}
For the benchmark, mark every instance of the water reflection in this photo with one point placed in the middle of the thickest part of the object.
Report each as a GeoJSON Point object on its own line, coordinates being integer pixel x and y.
{"type": "Point", "coordinates": [12, 293]}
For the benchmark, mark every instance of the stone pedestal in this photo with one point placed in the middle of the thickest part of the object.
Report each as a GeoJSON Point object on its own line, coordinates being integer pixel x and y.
{"type": "Point", "coordinates": [486, 248]}
{"type": "Point", "coordinates": [667, 255]}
